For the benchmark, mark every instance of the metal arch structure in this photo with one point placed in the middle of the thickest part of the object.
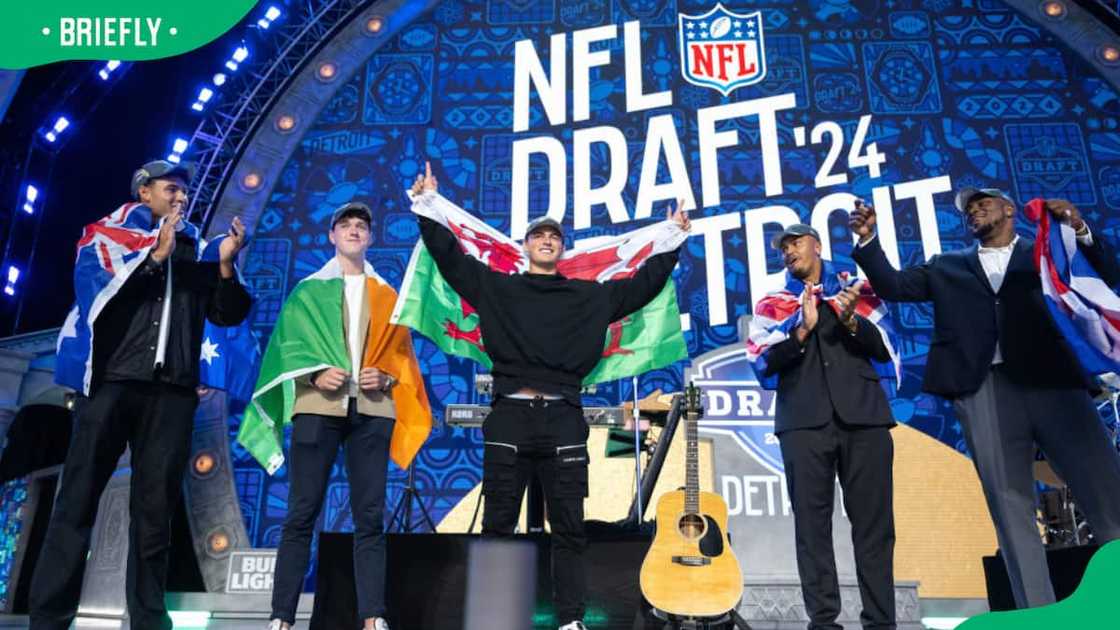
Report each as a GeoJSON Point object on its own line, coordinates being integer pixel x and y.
{"type": "Point", "coordinates": [247, 145]}
{"type": "Point", "coordinates": [221, 136]}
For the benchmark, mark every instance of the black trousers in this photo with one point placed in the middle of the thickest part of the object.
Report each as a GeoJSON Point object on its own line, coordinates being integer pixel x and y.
{"type": "Point", "coordinates": [315, 443]}
{"type": "Point", "coordinates": [546, 438]}
{"type": "Point", "coordinates": [155, 420]}
{"type": "Point", "coordinates": [862, 459]}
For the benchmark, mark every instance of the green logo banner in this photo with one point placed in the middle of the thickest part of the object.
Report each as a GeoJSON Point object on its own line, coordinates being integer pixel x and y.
{"type": "Point", "coordinates": [36, 33]}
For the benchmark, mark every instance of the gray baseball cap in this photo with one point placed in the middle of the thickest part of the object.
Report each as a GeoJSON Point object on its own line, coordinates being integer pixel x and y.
{"type": "Point", "coordinates": [968, 193]}
{"type": "Point", "coordinates": [352, 209]}
{"type": "Point", "coordinates": [157, 169]}
{"type": "Point", "coordinates": [544, 222]}
{"type": "Point", "coordinates": [797, 229]}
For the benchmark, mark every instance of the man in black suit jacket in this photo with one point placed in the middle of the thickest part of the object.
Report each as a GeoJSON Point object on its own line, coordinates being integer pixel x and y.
{"type": "Point", "coordinates": [832, 419]}
{"type": "Point", "coordinates": [1014, 383]}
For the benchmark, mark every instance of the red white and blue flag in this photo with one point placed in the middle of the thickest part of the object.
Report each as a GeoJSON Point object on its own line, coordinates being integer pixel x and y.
{"type": "Point", "coordinates": [109, 252]}
{"type": "Point", "coordinates": [779, 313]}
{"type": "Point", "coordinates": [1084, 308]}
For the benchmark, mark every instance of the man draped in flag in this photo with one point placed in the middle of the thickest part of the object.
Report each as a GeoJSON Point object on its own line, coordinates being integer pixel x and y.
{"type": "Point", "coordinates": [144, 285]}
{"type": "Point", "coordinates": [814, 341]}
{"type": "Point", "coordinates": [345, 378]}
{"type": "Point", "coordinates": [999, 356]}
{"type": "Point", "coordinates": [544, 333]}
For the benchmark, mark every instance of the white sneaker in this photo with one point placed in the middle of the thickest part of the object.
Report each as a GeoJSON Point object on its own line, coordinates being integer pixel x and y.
{"type": "Point", "coordinates": [276, 624]}
{"type": "Point", "coordinates": [575, 625]}
{"type": "Point", "coordinates": [380, 624]}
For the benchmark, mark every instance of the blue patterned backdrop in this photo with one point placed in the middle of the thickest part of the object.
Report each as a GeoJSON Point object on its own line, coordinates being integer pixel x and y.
{"type": "Point", "coordinates": [973, 90]}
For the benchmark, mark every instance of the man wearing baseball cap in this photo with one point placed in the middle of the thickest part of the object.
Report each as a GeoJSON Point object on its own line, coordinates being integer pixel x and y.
{"type": "Point", "coordinates": [340, 312]}
{"type": "Point", "coordinates": [544, 333]}
{"type": "Point", "coordinates": [833, 422]}
{"type": "Point", "coordinates": [997, 355]}
{"type": "Point", "coordinates": [131, 348]}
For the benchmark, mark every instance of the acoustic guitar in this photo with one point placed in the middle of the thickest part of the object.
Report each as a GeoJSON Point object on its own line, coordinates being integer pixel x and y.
{"type": "Point", "coordinates": [690, 569]}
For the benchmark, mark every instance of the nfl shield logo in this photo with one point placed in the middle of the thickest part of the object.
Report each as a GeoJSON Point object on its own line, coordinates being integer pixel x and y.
{"type": "Point", "coordinates": [721, 49]}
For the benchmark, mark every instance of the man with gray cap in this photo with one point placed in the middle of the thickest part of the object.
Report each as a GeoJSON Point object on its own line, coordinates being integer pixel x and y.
{"type": "Point", "coordinates": [349, 409]}
{"type": "Point", "coordinates": [810, 343]}
{"type": "Point", "coordinates": [997, 355]}
{"type": "Point", "coordinates": [544, 333]}
{"type": "Point", "coordinates": [131, 349]}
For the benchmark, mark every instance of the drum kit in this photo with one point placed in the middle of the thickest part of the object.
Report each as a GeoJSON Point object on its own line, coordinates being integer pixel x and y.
{"type": "Point", "coordinates": [1061, 522]}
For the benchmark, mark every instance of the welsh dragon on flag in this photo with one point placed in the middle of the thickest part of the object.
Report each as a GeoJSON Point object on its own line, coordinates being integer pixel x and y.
{"type": "Point", "coordinates": [646, 340]}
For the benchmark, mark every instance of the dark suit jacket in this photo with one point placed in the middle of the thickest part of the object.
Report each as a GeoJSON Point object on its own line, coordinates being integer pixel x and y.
{"type": "Point", "coordinates": [969, 319]}
{"type": "Point", "coordinates": [829, 376]}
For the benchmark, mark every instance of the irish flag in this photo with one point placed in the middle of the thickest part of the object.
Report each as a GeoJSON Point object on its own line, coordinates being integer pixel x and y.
{"type": "Point", "coordinates": [646, 340]}
{"type": "Point", "coordinates": [308, 338]}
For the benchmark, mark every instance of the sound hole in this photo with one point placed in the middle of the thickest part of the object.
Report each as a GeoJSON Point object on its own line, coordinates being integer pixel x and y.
{"type": "Point", "coordinates": [691, 526]}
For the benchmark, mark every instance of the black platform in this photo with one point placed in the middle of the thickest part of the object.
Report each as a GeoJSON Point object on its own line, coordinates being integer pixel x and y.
{"type": "Point", "coordinates": [427, 582]}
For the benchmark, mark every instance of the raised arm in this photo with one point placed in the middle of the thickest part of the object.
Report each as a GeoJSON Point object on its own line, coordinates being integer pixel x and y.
{"type": "Point", "coordinates": [463, 272]}
{"type": "Point", "coordinates": [633, 293]}
{"type": "Point", "coordinates": [907, 285]}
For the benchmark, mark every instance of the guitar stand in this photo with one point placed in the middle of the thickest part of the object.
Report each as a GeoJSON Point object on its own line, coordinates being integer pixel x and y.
{"type": "Point", "coordinates": [730, 619]}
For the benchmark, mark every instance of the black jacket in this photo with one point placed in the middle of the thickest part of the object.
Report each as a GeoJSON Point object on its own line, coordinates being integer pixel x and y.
{"type": "Point", "coordinates": [127, 330]}
{"type": "Point", "coordinates": [829, 376]}
{"type": "Point", "coordinates": [969, 318]}
{"type": "Point", "coordinates": [545, 332]}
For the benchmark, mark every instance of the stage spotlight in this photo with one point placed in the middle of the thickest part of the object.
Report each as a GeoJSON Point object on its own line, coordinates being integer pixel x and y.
{"type": "Point", "coordinates": [218, 542]}
{"type": "Point", "coordinates": [269, 17]}
{"type": "Point", "coordinates": [204, 464]}
{"type": "Point", "coordinates": [327, 71]}
{"type": "Point", "coordinates": [112, 65]}
{"type": "Point", "coordinates": [1110, 54]}
{"type": "Point", "coordinates": [251, 181]}
{"type": "Point", "coordinates": [59, 126]}
{"type": "Point", "coordinates": [178, 148]}
{"type": "Point", "coordinates": [375, 24]}
{"type": "Point", "coordinates": [219, 79]}
{"type": "Point", "coordinates": [13, 276]}
{"type": "Point", "coordinates": [285, 123]}
{"type": "Point", "coordinates": [29, 202]}
{"type": "Point", "coordinates": [1054, 9]}
{"type": "Point", "coordinates": [241, 53]}
{"type": "Point", "coordinates": [204, 96]}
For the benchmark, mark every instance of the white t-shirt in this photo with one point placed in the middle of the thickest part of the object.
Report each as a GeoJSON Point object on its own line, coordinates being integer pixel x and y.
{"type": "Point", "coordinates": [355, 291]}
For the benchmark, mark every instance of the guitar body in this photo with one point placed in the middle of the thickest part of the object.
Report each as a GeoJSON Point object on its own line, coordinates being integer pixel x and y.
{"type": "Point", "coordinates": [691, 570]}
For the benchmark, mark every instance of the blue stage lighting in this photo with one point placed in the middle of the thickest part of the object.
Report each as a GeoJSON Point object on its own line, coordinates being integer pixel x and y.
{"type": "Point", "coordinates": [179, 146]}
{"type": "Point", "coordinates": [219, 79]}
{"type": "Point", "coordinates": [112, 65]}
{"type": "Point", "coordinates": [60, 125]}
{"type": "Point", "coordinates": [32, 195]}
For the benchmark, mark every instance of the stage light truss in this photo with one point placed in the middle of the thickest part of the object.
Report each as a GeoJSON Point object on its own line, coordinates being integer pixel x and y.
{"type": "Point", "coordinates": [221, 136]}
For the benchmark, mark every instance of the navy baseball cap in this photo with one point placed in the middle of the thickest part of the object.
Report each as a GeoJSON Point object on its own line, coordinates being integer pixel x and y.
{"type": "Point", "coordinates": [968, 193]}
{"type": "Point", "coordinates": [157, 169]}
{"type": "Point", "coordinates": [352, 209]}
{"type": "Point", "coordinates": [542, 223]}
{"type": "Point", "coordinates": [795, 230]}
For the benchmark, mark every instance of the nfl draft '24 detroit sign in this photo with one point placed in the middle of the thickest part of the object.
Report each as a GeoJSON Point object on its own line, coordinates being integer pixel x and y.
{"type": "Point", "coordinates": [721, 49]}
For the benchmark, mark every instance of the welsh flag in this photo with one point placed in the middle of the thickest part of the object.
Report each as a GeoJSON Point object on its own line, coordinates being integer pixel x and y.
{"type": "Point", "coordinates": [646, 340]}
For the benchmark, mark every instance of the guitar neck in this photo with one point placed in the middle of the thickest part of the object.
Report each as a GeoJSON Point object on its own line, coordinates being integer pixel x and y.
{"type": "Point", "coordinates": [692, 464]}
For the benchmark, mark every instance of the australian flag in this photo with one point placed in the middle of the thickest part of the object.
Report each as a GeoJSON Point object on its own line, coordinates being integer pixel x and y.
{"type": "Point", "coordinates": [109, 252]}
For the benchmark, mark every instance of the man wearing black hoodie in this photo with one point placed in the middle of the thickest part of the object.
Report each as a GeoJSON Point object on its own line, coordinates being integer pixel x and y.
{"type": "Point", "coordinates": [544, 333]}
